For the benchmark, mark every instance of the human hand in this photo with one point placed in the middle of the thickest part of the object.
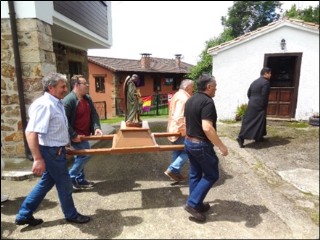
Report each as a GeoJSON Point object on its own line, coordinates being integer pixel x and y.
{"type": "Point", "coordinates": [77, 138]}
{"type": "Point", "coordinates": [224, 150]}
{"type": "Point", "coordinates": [98, 132]}
{"type": "Point", "coordinates": [68, 151]}
{"type": "Point", "coordinates": [38, 167]}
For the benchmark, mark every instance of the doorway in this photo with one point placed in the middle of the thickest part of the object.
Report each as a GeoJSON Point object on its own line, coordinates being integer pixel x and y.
{"type": "Point", "coordinates": [284, 84]}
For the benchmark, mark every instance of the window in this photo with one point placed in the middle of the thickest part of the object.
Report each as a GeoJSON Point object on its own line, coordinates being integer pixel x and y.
{"type": "Point", "coordinates": [99, 83]}
{"type": "Point", "coordinates": [168, 81]}
{"type": "Point", "coordinates": [176, 84]}
{"type": "Point", "coordinates": [172, 81]}
{"type": "Point", "coordinates": [157, 84]}
{"type": "Point", "coordinates": [75, 68]}
{"type": "Point", "coordinates": [141, 81]}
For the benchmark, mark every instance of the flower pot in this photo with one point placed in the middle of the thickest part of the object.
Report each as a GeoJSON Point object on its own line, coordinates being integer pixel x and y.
{"type": "Point", "coordinates": [314, 121]}
{"type": "Point", "coordinates": [238, 118]}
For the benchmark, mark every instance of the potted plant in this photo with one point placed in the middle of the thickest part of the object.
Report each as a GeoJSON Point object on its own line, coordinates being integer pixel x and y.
{"type": "Point", "coordinates": [314, 119]}
{"type": "Point", "coordinates": [241, 110]}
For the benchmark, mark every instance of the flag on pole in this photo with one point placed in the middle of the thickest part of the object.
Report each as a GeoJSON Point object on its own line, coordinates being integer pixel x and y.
{"type": "Point", "coordinates": [146, 103]}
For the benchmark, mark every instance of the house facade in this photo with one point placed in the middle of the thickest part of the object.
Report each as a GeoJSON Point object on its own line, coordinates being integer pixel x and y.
{"type": "Point", "coordinates": [158, 76]}
{"type": "Point", "coordinates": [291, 49]}
{"type": "Point", "coordinates": [38, 37]}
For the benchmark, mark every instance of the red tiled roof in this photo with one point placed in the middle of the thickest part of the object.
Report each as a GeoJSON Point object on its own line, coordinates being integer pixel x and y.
{"type": "Point", "coordinates": [162, 65]}
{"type": "Point", "coordinates": [262, 30]}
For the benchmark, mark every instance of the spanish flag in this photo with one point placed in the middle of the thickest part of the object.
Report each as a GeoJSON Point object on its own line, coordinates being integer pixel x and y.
{"type": "Point", "coordinates": [146, 103]}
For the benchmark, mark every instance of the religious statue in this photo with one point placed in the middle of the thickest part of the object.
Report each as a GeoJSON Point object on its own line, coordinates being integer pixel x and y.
{"type": "Point", "coordinates": [132, 101]}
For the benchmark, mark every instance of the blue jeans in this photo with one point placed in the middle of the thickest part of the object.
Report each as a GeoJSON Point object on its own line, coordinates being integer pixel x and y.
{"type": "Point", "coordinates": [204, 170]}
{"type": "Point", "coordinates": [56, 174]}
{"type": "Point", "coordinates": [179, 158]}
{"type": "Point", "coordinates": [77, 170]}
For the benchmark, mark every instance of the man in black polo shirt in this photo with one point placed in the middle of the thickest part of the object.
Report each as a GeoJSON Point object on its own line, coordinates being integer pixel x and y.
{"type": "Point", "coordinates": [201, 118]}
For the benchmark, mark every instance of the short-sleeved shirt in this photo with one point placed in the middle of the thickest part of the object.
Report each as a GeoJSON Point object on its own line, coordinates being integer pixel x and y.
{"type": "Point", "coordinates": [176, 122]}
{"type": "Point", "coordinates": [48, 119]}
{"type": "Point", "coordinates": [199, 107]}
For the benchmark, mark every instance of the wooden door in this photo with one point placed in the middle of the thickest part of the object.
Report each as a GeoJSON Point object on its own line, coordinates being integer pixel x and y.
{"type": "Point", "coordinates": [284, 84]}
{"type": "Point", "coordinates": [280, 102]}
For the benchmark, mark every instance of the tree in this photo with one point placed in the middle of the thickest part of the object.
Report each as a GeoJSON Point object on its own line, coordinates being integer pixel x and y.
{"type": "Point", "coordinates": [243, 17]}
{"type": "Point", "coordinates": [205, 63]}
{"type": "Point", "coordinates": [247, 16]}
{"type": "Point", "coordinates": [309, 14]}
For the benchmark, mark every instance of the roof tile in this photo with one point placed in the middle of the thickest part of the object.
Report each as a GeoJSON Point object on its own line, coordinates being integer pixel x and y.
{"type": "Point", "coordinates": [129, 65]}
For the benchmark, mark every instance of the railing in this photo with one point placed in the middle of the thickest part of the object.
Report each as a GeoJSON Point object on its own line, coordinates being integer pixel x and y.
{"type": "Point", "coordinates": [159, 106]}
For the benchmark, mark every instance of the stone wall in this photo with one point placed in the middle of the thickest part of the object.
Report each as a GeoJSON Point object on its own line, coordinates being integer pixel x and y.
{"type": "Point", "coordinates": [65, 54]}
{"type": "Point", "coordinates": [37, 59]}
{"type": "Point", "coordinates": [39, 55]}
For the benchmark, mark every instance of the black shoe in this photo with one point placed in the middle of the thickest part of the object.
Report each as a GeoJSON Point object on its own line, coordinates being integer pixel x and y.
{"type": "Point", "coordinates": [79, 219]}
{"type": "Point", "coordinates": [240, 142]}
{"type": "Point", "coordinates": [82, 185]}
{"type": "Point", "coordinates": [86, 184]}
{"type": "Point", "coordinates": [75, 185]}
{"type": "Point", "coordinates": [195, 213]}
{"type": "Point", "coordinates": [204, 207]}
{"type": "Point", "coordinates": [30, 221]}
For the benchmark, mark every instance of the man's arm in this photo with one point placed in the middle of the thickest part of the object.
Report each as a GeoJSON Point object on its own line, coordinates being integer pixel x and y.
{"type": "Point", "coordinates": [39, 165]}
{"type": "Point", "coordinates": [213, 136]}
{"type": "Point", "coordinates": [265, 93]}
{"type": "Point", "coordinates": [68, 107]}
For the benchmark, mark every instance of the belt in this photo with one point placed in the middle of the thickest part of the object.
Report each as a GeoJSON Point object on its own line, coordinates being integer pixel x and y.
{"type": "Point", "coordinates": [195, 140]}
{"type": "Point", "coordinates": [52, 146]}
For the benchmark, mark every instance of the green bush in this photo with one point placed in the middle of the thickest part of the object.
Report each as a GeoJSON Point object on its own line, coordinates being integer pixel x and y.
{"type": "Point", "coordinates": [241, 110]}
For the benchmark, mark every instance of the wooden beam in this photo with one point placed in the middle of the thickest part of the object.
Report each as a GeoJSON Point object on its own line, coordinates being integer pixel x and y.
{"type": "Point", "coordinates": [103, 137]}
{"type": "Point", "coordinates": [126, 150]}
{"type": "Point", "coordinates": [166, 134]}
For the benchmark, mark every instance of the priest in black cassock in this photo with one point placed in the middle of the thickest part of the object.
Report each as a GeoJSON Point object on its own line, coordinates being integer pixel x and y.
{"type": "Point", "coordinates": [254, 122]}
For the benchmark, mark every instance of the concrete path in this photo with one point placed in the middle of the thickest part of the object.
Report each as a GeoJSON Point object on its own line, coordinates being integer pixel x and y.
{"type": "Point", "coordinates": [134, 199]}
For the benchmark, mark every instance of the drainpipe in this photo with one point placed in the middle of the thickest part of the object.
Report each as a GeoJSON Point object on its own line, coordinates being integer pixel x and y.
{"type": "Point", "coordinates": [19, 75]}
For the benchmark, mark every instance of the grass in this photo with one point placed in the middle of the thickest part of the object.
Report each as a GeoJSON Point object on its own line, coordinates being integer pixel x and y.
{"type": "Point", "coordinates": [162, 113]}
{"type": "Point", "coordinates": [297, 124]}
{"type": "Point", "coordinates": [228, 121]}
{"type": "Point", "coordinates": [162, 110]}
{"type": "Point", "coordinates": [315, 217]}
{"type": "Point", "coordinates": [118, 119]}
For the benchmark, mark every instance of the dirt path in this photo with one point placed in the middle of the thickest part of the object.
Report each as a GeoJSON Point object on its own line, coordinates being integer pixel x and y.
{"type": "Point", "coordinates": [134, 199]}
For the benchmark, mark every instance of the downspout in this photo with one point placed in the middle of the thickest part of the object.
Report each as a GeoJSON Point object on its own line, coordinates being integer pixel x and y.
{"type": "Point", "coordinates": [17, 61]}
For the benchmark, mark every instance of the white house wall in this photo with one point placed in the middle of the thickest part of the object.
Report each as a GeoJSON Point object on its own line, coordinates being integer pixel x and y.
{"type": "Point", "coordinates": [42, 10]}
{"type": "Point", "coordinates": [308, 94]}
{"type": "Point", "coordinates": [235, 68]}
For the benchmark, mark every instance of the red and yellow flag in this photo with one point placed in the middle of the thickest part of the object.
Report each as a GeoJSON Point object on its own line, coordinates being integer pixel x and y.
{"type": "Point", "coordinates": [146, 103]}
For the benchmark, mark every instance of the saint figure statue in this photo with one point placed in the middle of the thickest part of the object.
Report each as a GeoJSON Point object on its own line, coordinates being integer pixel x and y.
{"type": "Point", "coordinates": [132, 101]}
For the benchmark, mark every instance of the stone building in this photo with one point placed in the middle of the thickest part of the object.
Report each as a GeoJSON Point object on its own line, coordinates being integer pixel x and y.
{"type": "Point", "coordinates": [39, 37]}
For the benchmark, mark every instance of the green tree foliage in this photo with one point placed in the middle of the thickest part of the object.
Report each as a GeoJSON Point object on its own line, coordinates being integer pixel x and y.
{"type": "Point", "coordinates": [310, 14]}
{"type": "Point", "coordinates": [205, 63]}
{"type": "Point", "coordinates": [243, 17]}
{"type": "Point", "coordinates": [247, 16]}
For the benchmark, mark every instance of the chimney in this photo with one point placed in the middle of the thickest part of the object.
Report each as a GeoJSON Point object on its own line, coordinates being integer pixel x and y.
{"type": "Point", "coordinates": [178, 60]}
{"type": "Point", "coordinates": [145, 60]}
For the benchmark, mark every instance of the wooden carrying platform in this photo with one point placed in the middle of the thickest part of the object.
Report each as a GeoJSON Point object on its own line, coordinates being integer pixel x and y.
{"type": "Point", "coordinates": [130, 140]}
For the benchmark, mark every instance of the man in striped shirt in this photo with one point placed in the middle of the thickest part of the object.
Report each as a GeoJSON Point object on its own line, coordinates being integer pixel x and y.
{"type": "Point", "coordinates": [47, 136]}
